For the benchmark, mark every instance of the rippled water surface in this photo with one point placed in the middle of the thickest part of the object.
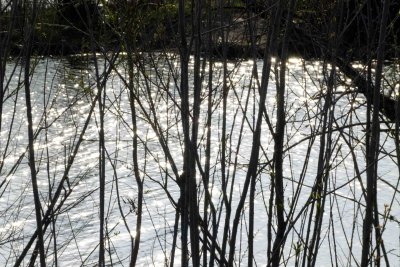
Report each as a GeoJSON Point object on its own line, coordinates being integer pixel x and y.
{"type": "Point", "coordinates": [63, 92]}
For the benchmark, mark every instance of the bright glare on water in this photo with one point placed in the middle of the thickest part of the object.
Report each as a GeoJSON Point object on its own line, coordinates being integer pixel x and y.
{"type": "Point", "coordinates": [63, 92]}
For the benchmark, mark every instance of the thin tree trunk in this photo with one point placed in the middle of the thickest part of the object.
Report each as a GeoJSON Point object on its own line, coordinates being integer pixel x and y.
{"type": "Point", "coordinates": [225, 90]}
{"type": "Point", "coordinates": [101, 96]}
{"type": "Point", "coordinates": [192, 184]}
{"type": "Point", "coordinates": [29, 34]}
{"type": "Point", "coordinates": [184, 178]}
{"type": "Point", "coordinates": [206, 179]}
{"type": "Point", "coordinates": [139, 182]}
{"type": "Point", "coordinates": [102, 177]}
{"type": "Point", "coordinates": [373, 149]}
{"type": "Point", "coordinates": [279, 137]}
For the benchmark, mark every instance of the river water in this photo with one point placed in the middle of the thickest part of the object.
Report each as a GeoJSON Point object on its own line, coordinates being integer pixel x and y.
{"type": "Point", "coordinates": [62, 92]}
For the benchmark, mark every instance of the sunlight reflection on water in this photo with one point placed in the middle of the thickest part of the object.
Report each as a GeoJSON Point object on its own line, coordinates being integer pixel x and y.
{"type": "Point", "coordinates": [67, 106]}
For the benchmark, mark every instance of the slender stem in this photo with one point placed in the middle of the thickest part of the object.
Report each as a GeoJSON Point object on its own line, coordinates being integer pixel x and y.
{"type": "Point", "coordinates": [29, 34]}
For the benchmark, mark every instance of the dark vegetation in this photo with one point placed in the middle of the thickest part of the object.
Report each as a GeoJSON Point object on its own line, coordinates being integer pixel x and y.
{"type": "Point", "coordinates": [175, 67]}
{"type": "Point", "coordinates": [63, 26]}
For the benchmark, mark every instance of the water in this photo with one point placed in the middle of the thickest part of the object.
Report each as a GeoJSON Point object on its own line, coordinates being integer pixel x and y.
{"type": "Point", "coordinates": [62, 95]}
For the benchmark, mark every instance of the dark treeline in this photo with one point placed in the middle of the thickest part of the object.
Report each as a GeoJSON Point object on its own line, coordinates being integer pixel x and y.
{"type": "Point", "coordinates": [63, 25]}
{"type": "Point", "coordinates": [198, 107]}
